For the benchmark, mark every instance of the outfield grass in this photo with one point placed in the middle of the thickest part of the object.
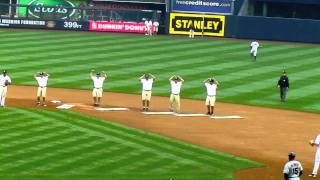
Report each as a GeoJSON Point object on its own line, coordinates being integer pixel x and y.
{"type": "Point", "coordinates": [69, 56]}
{"type": "Point", "coordinates": [42, 144]}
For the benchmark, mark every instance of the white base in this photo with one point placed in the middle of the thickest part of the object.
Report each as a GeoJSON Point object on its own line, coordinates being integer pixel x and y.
{"type": "Point", "coordinates": [112, 109]}
{"type": "Point", "coordinates": [226, 117]}
{"type": "Point", "coordinates": [65, 106]}
{"type": "Point", "coordinates": [191, 115]}
{"type": "Point", "coordinates": [55, 101]}
{"type": "Point", "coordinates": [158, 113]}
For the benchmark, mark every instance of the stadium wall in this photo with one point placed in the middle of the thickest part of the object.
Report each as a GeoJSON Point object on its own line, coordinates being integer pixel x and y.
{"type": "Point", "coordinates": [279, 29]}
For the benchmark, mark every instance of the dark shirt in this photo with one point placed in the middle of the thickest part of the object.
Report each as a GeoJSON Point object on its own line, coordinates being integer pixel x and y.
{"type": "Point", "coordinates": [283, 81]}
{"type": "Point", "coordinates": [191, 26]}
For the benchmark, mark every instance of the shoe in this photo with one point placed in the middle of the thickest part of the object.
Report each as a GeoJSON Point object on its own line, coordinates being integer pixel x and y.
{"type": "Point", "coordinates": [44, 104]}
{"type": "Point", "coordinates": [147, 109]}
{"type": "Point", "coordinates": [312, 175]}
{"type": "Point", "coordinates": [38, 103]}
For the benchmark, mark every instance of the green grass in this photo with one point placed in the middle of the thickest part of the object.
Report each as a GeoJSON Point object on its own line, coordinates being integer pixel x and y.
{"type": "Point", "coordinates": [39, 144]}
{"type": "Point", "coordinates": [69, 56]}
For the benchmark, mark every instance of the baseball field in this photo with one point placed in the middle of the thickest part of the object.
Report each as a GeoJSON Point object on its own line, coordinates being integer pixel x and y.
{"type": "Point", "coordinates": [38, 143]}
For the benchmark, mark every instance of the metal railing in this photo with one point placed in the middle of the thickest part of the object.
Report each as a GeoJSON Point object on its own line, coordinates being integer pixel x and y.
{"type": "Point", "coordinates": [15, 11]}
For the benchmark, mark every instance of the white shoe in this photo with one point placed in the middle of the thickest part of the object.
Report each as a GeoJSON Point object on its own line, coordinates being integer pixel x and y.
{"type": "Point", "coordinates": [312, 175]}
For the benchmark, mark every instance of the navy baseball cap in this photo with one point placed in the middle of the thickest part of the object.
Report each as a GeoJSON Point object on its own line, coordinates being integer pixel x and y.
{"type": "Point", "coordinates": [292, 154]}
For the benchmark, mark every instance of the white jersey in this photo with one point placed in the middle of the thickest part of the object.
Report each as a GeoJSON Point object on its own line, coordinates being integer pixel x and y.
{"type": "Point", "coordinates": [156, 24]}
{"type": "Point", "coordinates": [42, 81]}
{"type": "Point", "coordinates": [175, 87]}
{"type": "Point", "coordinates": [293, 169]}
{"type": "Point", "coordinates": [211, 89]}
{"type": "Point", "coordinates": [98, 81]}
{"type": "Point", "coordinates": [146, 23]}
{"type": "Point", "coordinates": [147, 84]}
{"type": "Point", "coordinates": [254, 45]}
{"type": "Point", "coordinates": [3, 79]}
{"type": "Point", "coordinates": [150, 23]}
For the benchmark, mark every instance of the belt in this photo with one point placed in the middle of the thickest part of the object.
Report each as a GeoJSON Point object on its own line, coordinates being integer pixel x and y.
{"type": "Point", "coordinates": [42, 86]}
{"type": "Point", "coordinates": [211, 96]}
{"type": "Point", "coordinates": [98, 88]}
{"type": "Point", "coordinates": [147, 90]}
{"type": "Point", "coordinates": [175, 94]}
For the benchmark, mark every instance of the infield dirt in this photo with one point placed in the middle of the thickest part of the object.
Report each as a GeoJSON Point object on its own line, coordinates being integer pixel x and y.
{"type": "Point", "coordinates": [264, 135]}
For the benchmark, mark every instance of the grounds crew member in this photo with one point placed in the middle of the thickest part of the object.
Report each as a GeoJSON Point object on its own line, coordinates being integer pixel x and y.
{"type": "Point", "coordinates": [5, 80]}
{"type": "Point", "coordinates": [147, 81]}
{"type": "Point", "coordinates": [316, 143]}
{"type": "Point", "coordinates": [98, 80]}
{"type": "Point", "coordinates": [191, 30]}
{"type": "Point", "coordinates": [42, 80]}
{"type": "Point", "coordinates": [176, 83]}
{"type": "Point", "coordinates": [292, 169]}
{"type": "Point", "coordinates": [283, 85]}
{"type": "Point", "coordinates": [211, 85]}
{"type": "Point", "coordinates": [254, 49]}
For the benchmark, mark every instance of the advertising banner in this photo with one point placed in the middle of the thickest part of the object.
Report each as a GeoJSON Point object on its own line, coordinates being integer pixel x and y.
{"type": "Point", "coordinates": [22, 23]}
{"type": "Point", "coordinates": [209, 25]}
{"type": "Point", "coordinates": [127, 27]}
{"type": "Point", "coordinates": [60, 9]}
{"type": "Point", "coordinates": [72, 25]}
{"type": "Point", "coordinates": [203, 6]}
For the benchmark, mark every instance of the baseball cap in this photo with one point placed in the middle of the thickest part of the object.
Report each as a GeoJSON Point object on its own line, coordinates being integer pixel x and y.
{"type": "Point", "coordinates": [4, 71]}
{"type": "Point", "coordinates": [292, 154]}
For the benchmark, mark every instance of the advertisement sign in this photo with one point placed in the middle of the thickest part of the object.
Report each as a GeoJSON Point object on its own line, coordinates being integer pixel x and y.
{"type": "Point", "coordinates": [127, 27]}
{"type": "Point", "coordinates": [72, 25]}
{"type": "Point", "coordinates": [210, 25]}
{"type": "Point", "coordinates": [60, 9]}
{"type": "Point", "coordinates": [23, 23]}
{"type": "Point", "coordinates": [203, 6]}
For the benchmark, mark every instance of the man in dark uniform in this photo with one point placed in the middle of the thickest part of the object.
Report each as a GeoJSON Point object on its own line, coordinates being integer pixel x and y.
{"type": "Point", "coordinates": [191, 30]}
{"type": "Point", "coordinates": [283, 84]}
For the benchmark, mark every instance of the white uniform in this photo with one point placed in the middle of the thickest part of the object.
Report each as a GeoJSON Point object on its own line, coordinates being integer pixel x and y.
{"type": "Point", "coordinates": [293, 169]}
{"type": "Point", "coordinates": [146, 88]}
{"type": "Point", "coordinates": [175, 94]}
{"type": "Point", "coordinates": [42, 85]}
{"type": "Point", "coordinates": [211, 94]}
{"type": "Point", "coordinates": [317, 156]}
{"type": "Point", "coordinates": [156, 26]}
{"type": "Point", "coordinates": [254, 48]}
{"type": "Point", "coordinates": [150, 27]}
{"type": "Point", "coordinates": [97, 86]}
{"type": "Point", "coordinates": [3, 88]}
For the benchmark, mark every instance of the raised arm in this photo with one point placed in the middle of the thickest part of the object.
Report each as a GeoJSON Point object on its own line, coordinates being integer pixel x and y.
{"type": "Point", "coordinates": [141, 77]}
{"type": "Point", "coordinates": [172, 77]}
{"type": "Point", "coordinates": [217, 82]}
{"type": "Point", "coordinates": [152, 76]}
{"type": "Point", "coordinates": [91, 73]}
{"type": "Point", "coordinates": [182, 80]}
{"type": "Point", "coordinates": [207, 80]}
{"type": "Point", "coordinates": [104, 74]}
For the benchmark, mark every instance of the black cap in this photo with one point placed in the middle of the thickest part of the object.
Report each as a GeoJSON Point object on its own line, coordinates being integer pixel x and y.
{"type": "Point", "coordinates": [292, 154]}
{"type": "Point", "coordinates": [4, 71]}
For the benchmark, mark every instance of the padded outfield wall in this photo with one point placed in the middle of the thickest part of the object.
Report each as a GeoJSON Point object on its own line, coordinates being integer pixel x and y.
{"type": "Point", "coordinates": [279, 29]}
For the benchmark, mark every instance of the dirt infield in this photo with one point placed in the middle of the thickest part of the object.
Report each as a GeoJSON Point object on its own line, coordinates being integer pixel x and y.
{"type": "Point", "coordinates": [264, 135]}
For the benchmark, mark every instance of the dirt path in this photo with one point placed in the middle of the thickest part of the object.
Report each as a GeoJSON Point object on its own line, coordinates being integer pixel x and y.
{"type": "Point", "coordinates": [264, 135]}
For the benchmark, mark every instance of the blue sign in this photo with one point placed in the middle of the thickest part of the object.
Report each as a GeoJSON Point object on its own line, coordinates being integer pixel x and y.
{"type": "Point", "coordinates": [203, 6]}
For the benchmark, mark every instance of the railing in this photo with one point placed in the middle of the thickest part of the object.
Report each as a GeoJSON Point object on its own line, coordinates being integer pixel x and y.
{"type": "Point", "coordinates": [87, 13]}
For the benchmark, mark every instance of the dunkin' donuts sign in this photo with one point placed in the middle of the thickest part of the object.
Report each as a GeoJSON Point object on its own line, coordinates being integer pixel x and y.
{"type": "Point", "coordinates": [128, 27]}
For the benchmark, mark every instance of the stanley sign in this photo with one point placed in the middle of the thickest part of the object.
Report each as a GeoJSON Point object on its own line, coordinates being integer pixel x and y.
{"type": "Point", "coordinates": [209, 25]}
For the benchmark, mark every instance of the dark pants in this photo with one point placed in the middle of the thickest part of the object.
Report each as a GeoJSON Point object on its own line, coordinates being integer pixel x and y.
{"type": "Point", "coordinates": [283, 93]}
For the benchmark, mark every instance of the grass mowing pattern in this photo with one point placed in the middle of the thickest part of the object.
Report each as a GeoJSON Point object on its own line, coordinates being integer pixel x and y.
{"type": "Point", "coordinates": [69, 56]}
{"type": "Point", "coordinates": [38, 144]}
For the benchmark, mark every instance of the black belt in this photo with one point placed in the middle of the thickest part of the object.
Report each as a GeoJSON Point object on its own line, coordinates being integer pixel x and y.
{"type": "Point", "coordinates": [98, 88]}
{"type": "Point", "coordinates": [42, 86]}
{"type": "Point", "coordinates": [175, 94]}
{"type": "Point", "coordinates": [211, 96]}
